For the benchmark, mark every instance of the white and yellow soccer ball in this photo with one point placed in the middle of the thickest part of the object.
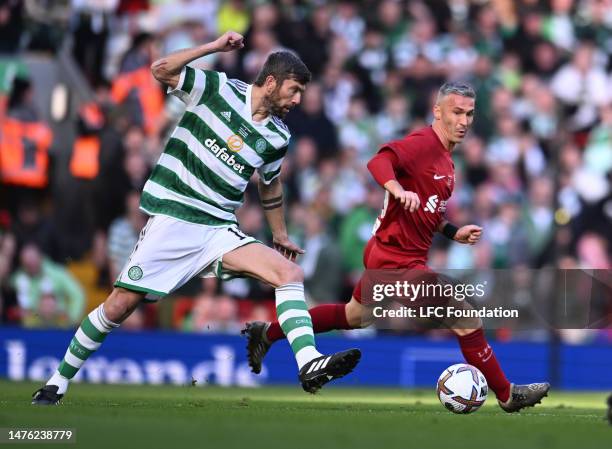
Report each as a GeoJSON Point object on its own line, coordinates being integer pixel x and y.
{"type": "Point", "coordinates": [462, 388]}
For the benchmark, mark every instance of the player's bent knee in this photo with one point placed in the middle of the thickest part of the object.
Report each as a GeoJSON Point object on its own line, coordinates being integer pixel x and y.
{"type": "Point", "coordinates": [121, 303]}
{"type": "Point", "coordinates": [290, 273]}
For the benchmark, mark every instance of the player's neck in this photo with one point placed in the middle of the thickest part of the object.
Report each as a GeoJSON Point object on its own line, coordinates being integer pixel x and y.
{"type": "Point", "coordinates": [444, 139]}
{"type": "Point", "coordinates": [259, 109]}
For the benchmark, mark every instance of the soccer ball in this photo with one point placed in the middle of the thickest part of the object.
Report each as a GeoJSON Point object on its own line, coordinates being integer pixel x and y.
{"type": "Point", "coordinates": [462, 388]}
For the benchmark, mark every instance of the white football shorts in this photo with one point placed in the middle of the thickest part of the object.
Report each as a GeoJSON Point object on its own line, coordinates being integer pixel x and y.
{"type": "Point", "coordinates": [170, 252]}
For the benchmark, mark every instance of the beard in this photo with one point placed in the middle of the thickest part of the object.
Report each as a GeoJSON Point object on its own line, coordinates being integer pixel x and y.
{"type": "Point", "coordinates": [273, 104]}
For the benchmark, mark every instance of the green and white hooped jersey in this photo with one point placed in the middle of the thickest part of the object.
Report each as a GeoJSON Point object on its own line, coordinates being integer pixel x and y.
{"type": "Point", "coordinates": [213, 152]}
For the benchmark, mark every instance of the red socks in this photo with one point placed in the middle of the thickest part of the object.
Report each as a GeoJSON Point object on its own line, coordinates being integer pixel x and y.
{"type": "Point", "coordinates": [477, 352]}
{"type": "Point", "coordinates": [325, 318]}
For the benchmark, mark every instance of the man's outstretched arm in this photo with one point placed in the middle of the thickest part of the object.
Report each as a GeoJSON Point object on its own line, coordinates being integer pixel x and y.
{"type": "Point", "coordinates": [167, 70]}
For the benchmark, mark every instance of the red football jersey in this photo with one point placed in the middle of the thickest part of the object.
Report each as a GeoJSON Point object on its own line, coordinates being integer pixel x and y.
{"type": "Point", "coordinates": [427, 169]}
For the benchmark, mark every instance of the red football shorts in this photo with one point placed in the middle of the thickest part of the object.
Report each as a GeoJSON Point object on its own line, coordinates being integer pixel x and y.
{"type": "Point", "coordinates": [378, 257]}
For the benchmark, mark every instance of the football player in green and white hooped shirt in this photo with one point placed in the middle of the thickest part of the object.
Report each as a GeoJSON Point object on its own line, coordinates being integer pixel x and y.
{"type": "Point", "coordinates": [229, 130]}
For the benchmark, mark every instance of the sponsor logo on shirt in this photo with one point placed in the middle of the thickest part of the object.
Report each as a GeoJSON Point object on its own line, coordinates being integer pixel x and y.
{"type": "Point", "coordinates": [435, 205]}
{"type": "Point", "coordinates": [235, 143]}
{"type": "Point", "coordinates": [222, 153]}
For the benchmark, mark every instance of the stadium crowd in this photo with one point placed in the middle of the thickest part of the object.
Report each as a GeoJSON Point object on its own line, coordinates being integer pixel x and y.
{"type": "Point", "coordinates": [535, 170]}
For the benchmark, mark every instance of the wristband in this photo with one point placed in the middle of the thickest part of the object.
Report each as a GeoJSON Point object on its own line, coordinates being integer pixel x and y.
{"type": "Point", "coordinates": [449, 230]}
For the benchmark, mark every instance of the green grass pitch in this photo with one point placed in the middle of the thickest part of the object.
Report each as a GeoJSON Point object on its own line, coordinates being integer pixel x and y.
{"type": "Point", "coordinates": [109, 417]}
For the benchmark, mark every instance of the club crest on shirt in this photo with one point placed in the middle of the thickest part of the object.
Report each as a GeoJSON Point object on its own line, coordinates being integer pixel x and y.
{"type": "Point", "coordinates": [135, 273]}
{"type": "Point", "coordinates": [260, 145]}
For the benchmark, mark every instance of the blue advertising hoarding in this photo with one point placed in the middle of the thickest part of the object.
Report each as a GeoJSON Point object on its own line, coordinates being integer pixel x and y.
{"type": "Point", "coordinates": [178, 358]}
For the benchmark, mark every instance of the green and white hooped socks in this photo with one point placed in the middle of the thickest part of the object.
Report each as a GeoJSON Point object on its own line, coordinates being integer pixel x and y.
{"type": "Point", "coordinates": [294, 319]}
{"type": "Point", "coordinates": [88, 338]}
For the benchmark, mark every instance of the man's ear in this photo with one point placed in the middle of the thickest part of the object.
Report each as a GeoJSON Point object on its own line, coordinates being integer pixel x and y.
{"type": "Point", "coordinates": [437, 111]}
{"type": "Point", "coordinates": [270, 84]}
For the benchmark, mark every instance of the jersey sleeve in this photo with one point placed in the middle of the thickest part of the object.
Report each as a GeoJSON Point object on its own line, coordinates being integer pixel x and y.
{"type": "Point", "coordinates": [382, 166]}
{"type": "Point", "coordinates": [271, 170]}
{"type": "Point", "coordinates": [404, 153]}
{"type": "Point", "coordinates": [196, 85]}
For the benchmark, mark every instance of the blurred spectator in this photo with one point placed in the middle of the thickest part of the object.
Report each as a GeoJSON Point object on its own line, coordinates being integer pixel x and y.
{"type": "Point", "coordinates": [526, 37]}
{"type": "Point", "coordinates": [136, 89]}
{"type": "Point", "coordinates": [123, 234]}
{"type": "Point", "coordinates": [311, 38]}
{"type": "Point", "coordinates": [598, 154]}
{"type": "Point", "coordinates": [538, 220]}
{"type": "Point", "coordinates": [264, 42]}
{"type": "Point", "coordinates": [348, 23]}
{"type": "Point", "coordinates": [233, 16]}
{"type": "Point", "coordinates": [421, 80]}
{"type": "Point", "coordinates": [392, 20]}
{"type": "Point", "coordinates": [593, 252]}
{"type": "Point", "coordinates": [322, 263]}
{"type": "Point", "coordinates": [204, 12]}
{"type": "Point", "coordinates": [393, 121]}
{"type": "Point", "coordinates": [558, 27]}
{"type": "Point", "coordinates": [358, 130]}
{"type": "Point", "coordinates": [38, 278]}
{"type": "Point", "coordinates": [305, 157]}
{"type": "Point", "coordinates": [546, 60]}
{"type": "Point", "coordinates": [31, 225]}
{"type": "Point", "coordinates": [582, 86]}
{"type": "Point", "coordinates": [213, 314]}
{"type": "Point", "coordinates": [475, 168]}
{"type": "Point", "coordinates": [356, 230]}
{"type": "Point", "coordinates": [461, 56]}
{"type": "Point", "coordinates": [25, 143]}
{"type": "Point", "coordinates": [419, 42]}
{"type": "Point", "coordinates": [310, 120]}
{"type": "Point", "coordinates": [90, 24]}
{"type": "Point", "coordinates": [11, 25]}
{"type": "Point", "coordinates": [369, 65]}
{"type": "Point", "coordinates": [48, 313]}
{"type": "Point", "coordinates": [8, 298]}
{"type": "Point", "coordinates": [507, 236]}
{"type": "Point", "coordinates": [338, 90]}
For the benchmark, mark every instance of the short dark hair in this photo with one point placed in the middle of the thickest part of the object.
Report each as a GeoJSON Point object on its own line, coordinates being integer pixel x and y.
{"type": "Point", "coordinates": [283, 65]}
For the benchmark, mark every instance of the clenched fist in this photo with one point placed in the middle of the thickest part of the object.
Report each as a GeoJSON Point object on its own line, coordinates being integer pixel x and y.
{"type": "Point", "coordinates": [230, 40]}
{"type": "Point", "coordinates": [469, 234]}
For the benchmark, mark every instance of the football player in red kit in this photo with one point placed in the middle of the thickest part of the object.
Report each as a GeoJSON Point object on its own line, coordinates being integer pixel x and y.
{"type": "Point", "coordinates": [418, 175]}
